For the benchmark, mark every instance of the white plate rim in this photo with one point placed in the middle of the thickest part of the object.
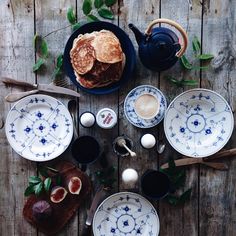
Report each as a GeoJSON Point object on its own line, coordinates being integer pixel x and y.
{"type": "Point", "coordinates": [209, 91]}
{"type": "Point", "coordinates": [25, 99]}
{"type": "Point", "coordinates": [155, 88]}
{"type": "Point", "coordinates": [130, 193]}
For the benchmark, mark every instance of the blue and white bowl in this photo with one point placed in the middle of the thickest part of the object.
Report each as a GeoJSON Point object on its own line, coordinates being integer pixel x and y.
{"type": "Point", "coordinates": [126, 214]}
{"type": "Point", "coordinates": [129, 109]}
{"type": "Point", "coordinates": [39, 127]}
{"type": "Point", "coordinates": [198, 123]}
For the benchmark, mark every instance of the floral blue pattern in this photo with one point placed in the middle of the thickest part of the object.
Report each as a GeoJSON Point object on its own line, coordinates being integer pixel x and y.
{"type": "Point", "coordinates": [126, 214]}
{"type": "Point", "coordinates": [198, 123]}
{"type": "Point", "coordinates": [130, 99]}
{"type": "Point", "coordinates": [39, 127]}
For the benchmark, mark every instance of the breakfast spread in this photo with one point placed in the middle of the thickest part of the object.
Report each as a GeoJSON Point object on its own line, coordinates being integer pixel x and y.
{"type": "Point", "coordinates": [97, 59]}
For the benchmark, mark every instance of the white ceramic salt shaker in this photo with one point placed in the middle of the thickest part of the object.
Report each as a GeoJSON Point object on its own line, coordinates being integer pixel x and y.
{"type": "Point", "coordinates": [130, 177]}
{"type": "Point", "coordinates": [87, 119]}
{"type": "Point", "coordinates": [148, 141]}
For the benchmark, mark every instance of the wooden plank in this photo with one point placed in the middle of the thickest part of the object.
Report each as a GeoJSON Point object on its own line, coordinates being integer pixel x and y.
{"type": "Point", "coordinates": [217, 195]}
{"type": "Point", "coordinates": [94, 103]}
{"type": "Point", "coordinates": [16, 56]}
{"type": "Point", "coordinates": [182, 219]}
{"type": "Point", "coordinates": [140, 13]}
{"type": "Point", "coordinates": [51, 17]}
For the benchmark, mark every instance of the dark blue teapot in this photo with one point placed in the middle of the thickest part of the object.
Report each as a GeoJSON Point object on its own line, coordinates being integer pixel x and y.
{"type": "Point", "coordinates": [159, 47]}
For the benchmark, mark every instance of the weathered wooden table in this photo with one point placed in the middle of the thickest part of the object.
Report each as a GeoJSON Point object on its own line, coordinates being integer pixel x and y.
{"type": "Point", "coordinates": [212, 208]}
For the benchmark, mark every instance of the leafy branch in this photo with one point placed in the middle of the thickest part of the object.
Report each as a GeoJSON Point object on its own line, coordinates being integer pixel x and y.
{"type": "Point", "coordinates": [106, 176]}
{"type": "Point", "coordinates": [177, 178]}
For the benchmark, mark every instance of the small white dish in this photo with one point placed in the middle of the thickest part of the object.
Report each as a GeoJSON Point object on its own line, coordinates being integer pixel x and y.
{"type": "Point", "coordinates": [39, 127]}
{"type": "Point", "coordinates": [126, 213]}
{"type": "Point", "coordinates": [198, 123]}
{"type": "Point", "coordinates": [129, 106]}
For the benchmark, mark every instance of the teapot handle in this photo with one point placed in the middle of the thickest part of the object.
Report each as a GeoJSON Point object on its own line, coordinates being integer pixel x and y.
{"type": "Point", "coordinates": [177, 26]}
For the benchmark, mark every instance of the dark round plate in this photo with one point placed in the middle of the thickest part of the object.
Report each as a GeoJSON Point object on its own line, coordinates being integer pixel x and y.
{"type": "Point", "coordinates": [127, 48]}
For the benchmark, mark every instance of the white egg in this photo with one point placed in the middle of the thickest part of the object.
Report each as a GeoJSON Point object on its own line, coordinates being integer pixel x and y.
{"type": "Point", "coordinates": [129, 175]}
{"type": "Point", "coordinates": [148, 141]}
{"type": "Point", "coordinates": [87, 119]}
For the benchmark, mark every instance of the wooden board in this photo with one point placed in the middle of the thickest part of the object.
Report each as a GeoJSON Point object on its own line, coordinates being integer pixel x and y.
{"type": "Point", "coordinates": [218, 190]}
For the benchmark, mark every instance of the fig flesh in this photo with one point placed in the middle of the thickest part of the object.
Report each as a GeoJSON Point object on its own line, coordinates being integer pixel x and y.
{"type": "Point", "coordinates": [58, 194]}
{"type": "Point", "coordinates": [41, 210]}
{"type": "Point", "coordinates": [75, 185]}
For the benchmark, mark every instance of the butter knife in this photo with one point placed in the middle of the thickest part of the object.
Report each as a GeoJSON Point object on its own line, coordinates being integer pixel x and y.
{"type": "Point", "coordinates": [100, 194]}
{"type": "Point", "coordinates": [36, 88]}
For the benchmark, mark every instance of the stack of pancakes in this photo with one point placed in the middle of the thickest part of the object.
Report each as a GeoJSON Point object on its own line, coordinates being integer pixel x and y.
{"type": "Point", "coordinates": [97, 59]}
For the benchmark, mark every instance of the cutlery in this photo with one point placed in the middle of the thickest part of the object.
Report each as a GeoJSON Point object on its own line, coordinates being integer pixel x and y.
{"type": "Point", "coordinates": [12, 97]}
{"type": "Point", "coordinates": [204, 160]}
{"type": "Point", "coordinates": [122, 143]}
{"type": "Point", "coordinates": [100, 194]}
{"type": "Point", "coordinates": [161, 147]}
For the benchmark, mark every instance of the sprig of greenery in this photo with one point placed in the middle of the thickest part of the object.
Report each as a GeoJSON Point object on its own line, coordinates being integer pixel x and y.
{"type": "Point", "coordinates": [38, 184]}
{"type": "Point", "coordinates": [182, 83]}
{"type": "Point", "coordinates": [92, 10]}
{"type": "Point", "coordinates": [177, 178]}
{"type": "Point", "coordinates": [106, 176]}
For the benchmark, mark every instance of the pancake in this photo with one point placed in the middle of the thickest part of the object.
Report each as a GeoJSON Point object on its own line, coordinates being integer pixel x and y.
{"type": "Point", "coordinates": [82, 54]}
{"type": "Point", "coordinates": [99, 67]}
{"type": "Point", "coordinates": [107, 47]}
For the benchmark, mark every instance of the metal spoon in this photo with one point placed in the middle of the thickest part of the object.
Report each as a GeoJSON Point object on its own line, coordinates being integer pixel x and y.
{"type": "Point", "coordinates": [72, 110]}
{"type": "Point", "coordinates": [161, 147]}
{"type": "Point", "coordinates": [122, 143]}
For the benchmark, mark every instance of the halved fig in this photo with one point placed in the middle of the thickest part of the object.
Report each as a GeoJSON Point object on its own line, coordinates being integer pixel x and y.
{"type": "Point", "coordinates": [75, 185]}
{"type": "Point", "coordinates": [41, 210]}
{"type": "Point", "coordinates": [58, 194]}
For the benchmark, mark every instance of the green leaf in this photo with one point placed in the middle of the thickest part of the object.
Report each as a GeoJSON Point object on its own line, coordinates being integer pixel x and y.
{"type": "Point", "coordinates": [110, 3]}
{"type": "Point", "coordinates": [71, 16]}
{"type": "Point", "coordinates": [205, 57]}
{"type": "Point", "coordinates": [185, 196]}
{"type": "Point", "coordinates": [43, 171]}
{"type": "Point", "coordinates": [106, 13]}
{"type": "Point", "coordinates": [76, 26]}
{"type": "Point", "coordinates": [35, 39]}
{"type": "Point", "coordinates": [87, 7]}
{"type": "Point", "coordinates": [34, 180]}
{"type": "Point", "coordinates": [178, 179]}
{"type": "Point", "coordinates": [29, 190]}
{"type": "Point", "coordinates": [189, 82]}
{"type": "Point", "coordinates": [173, 200]}
{"type": "Point", "coordinates": [98, 3]}
{"type": "Point", "coordinates": [38, 188]}
{"type": "Point", "coordinates": [200, 67]}
{"type": "Point", "coordinates": [92, 18]}
{"type": "Point", "coordinates": [196, 45]}
{"type": "Point", "coordinates": [59, 61]}
{"type": "Point", "coordinates": [185, 63]}
{"type": "Point", "coordinates": [38, 64]}
{"type": "Point", "coordinates": [44, 49]}
{"type": "Point", "coordinates": [58, 180]}
{"type": "Point", "coordinates": [47, 184]}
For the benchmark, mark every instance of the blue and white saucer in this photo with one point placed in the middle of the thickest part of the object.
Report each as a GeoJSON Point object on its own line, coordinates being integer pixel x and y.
{"type": "Point", "coordinates": [129, 110]}
{"type": "Point", "coordinates": [198, 123]}
{"type": "Point", "coordinates": [126, 214]}
{"type": "Point", "coordinates": [39, 127]}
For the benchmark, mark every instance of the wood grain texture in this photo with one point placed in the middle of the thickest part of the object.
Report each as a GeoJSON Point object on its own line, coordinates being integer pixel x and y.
{"type": "Point", "coordinates": [186, 216]}
{"type": "Point", "coordinates": [218, 190]}
{"type": "Point", "coordinates": [16, 54]}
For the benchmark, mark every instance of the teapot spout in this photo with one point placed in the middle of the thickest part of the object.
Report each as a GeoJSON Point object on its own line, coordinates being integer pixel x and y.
{"type": "Point", "coordinates": [138, 35]}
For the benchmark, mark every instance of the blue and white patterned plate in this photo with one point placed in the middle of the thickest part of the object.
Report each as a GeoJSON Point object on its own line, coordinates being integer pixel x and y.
{"type": "Point", "coordinates": [198, 123]}
{"type": "Point", "coordinates": [130, 113]}
{"type": "Point", "coordinates": [126, 214]}
{"type": "Point", "coordinates": [39, 127]}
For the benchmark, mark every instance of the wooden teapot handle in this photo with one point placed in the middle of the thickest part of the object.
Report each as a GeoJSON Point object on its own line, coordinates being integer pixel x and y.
{"type": "Point", "coordinates": [177, 26]}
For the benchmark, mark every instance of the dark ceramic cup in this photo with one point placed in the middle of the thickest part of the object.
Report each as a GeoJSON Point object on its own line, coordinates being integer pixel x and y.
{"type": "Point", "coordinates": [155, 184]}
{"type": "Point", "coordinates": [86, 150]}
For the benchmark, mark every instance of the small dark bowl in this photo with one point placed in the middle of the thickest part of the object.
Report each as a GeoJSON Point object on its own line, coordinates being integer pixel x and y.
{"type": "Point", "coordinates": [126, 46]}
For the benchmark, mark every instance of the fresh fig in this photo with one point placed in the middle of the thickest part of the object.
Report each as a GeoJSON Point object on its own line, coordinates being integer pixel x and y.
{"type": "Point", "coordinates": [58, 194]}
{"type": "Point", "coordinates": [41, 210]}
{"type": "Point", "coordinates": [75, 185]}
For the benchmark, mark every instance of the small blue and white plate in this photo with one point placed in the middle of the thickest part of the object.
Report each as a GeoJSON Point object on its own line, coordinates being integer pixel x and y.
{"type": "Point", "coordinates": [198, 123]}
{"type": "Point", "coordinates": [129, 110]}
{"type": "Point", "coordinates": [39, 127]}
{"type": "Point", "coordinates": [126, 214]}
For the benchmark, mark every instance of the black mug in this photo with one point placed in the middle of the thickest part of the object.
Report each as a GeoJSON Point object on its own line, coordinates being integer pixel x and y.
{"type": "Point", "coordinates": [86, 150]}
{"type": "Point", "coordinates": [155, 184]}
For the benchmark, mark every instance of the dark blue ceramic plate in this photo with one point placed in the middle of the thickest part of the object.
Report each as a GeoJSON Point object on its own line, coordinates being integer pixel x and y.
{"type": "Point", "coordinates": [127, 48]}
